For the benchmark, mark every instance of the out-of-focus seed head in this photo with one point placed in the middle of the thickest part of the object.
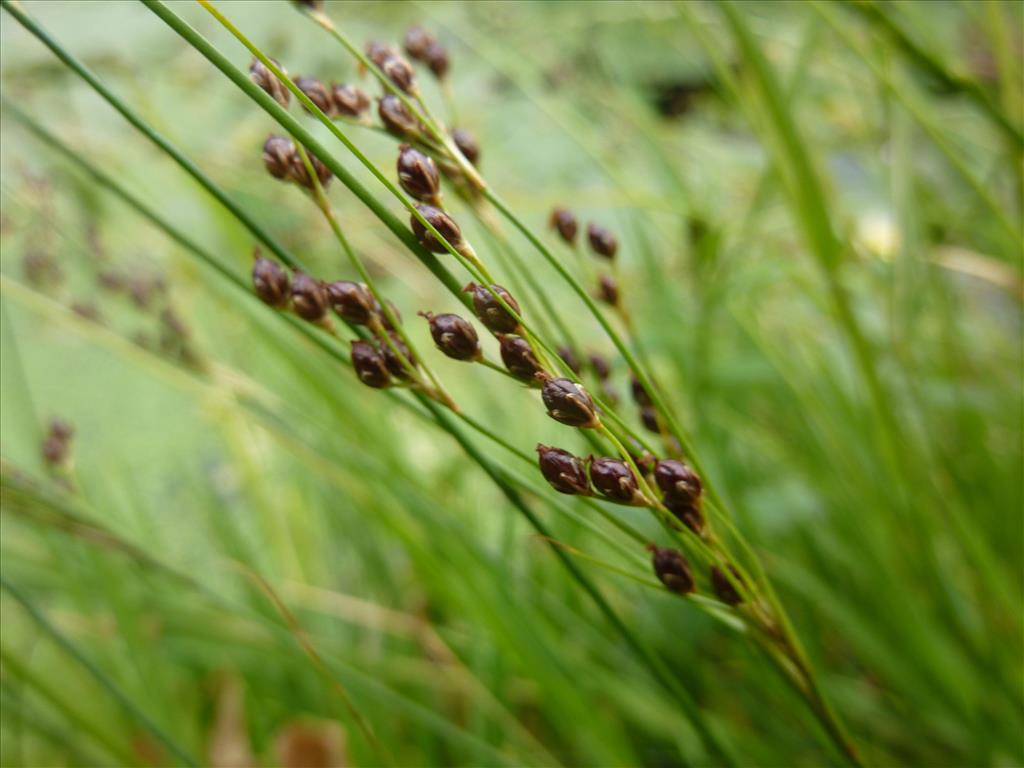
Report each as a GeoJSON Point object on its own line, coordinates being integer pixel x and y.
{"type": "Point", "coordinates": [369, 365]}
{"type": "Point", "coordinates": [608, 290]}
{"type": "Point", "coordinates": [316, 92]}
{"type": "Point", "coordinates": [400, 72]}
{"type": "Point", "coordinates": [310, 5]}
{"type": "Point", "coordinates": [602, 241]}
{"type": "Point", "coordinates": [649, 418]}
{"type": "Point", "coordinates": [566, 473]}
{"type": "Point", "coordinates": [270, 281]}
{"type": "Point", "coordinates": [353, 301]}
{"type": "Point", "coordinates": [61, 430]}
{"type": "Point", "coordinates": [568, 357]}
{"type": "Point", "coordinates": [678, 481]}
{"type": "Point", "coordinates": [57, 443]}
{"type": "Point", "coordinates": [723, 587]}
{"type": "Point", "coordinates": [382, 316]}
{"type": "Point", "coordinates": [442, 222]}
{"type": "Point", "coordinates": [300, 175]}
{"type": "Point", "coordinates": [394, 365]}
{"type": "Point", "coordinates": [437, 59]}
{"type": "Point", "coordinates": [564, 222]}
{"type": "Point", "coordinates": [467, 144]}
{"type": "Point", "coordinates": [267, 80]}
{"type": "Point", "coordinates": [417, 173]}
{"type": "Point", "coordinates": [379, 52]}
{"type": "Point", "coordinates": [518, 357]}
{"type": "Point", "coordinates": [601, 366]}
{"type": "Point", "coordinates": [490, 311]}
{"type": "Point", "coordinates": [687, 512]}
{"type": "Point", "coordinates": [454, 336]}
{"type": "Point", "coordinates": [416, 42]}
{"type": "Point", "coordinates": [567, 402]}
{"type": "Point", "coordinates": [615, 480]}
{"type": "Point", "coordinates": [349, 100]}
{"type": "Point", "coordinates": [87, 310]}
{"type": "Point", "coordinates": [672, 569]}
{"type": "Point", "coordinates": [41, 269]}
{"type": "Point", "coordinates": [608, 393]}
{"type": "Point", "coordinates": [277, 156]}
{"type": "Point", "coordinates": [640, 396]}
{"type": "Point", "coordinates": [396, 117]}
{"type": "Point", "coordinates": [309, 299]}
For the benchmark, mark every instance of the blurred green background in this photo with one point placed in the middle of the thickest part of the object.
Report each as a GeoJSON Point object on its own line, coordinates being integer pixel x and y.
{"type": "Point", "coordinates": [232, 484]}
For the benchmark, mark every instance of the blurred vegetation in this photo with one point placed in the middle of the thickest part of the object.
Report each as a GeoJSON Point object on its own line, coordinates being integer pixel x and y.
{"type": "Point", "coordinates": [251, 557]}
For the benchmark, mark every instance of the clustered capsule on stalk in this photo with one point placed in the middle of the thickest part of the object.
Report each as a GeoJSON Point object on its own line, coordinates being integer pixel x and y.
{"type": "Point", "coordinates": [518, 357]}
{"type": "Point", "coordinates": [566, 473]}
{"type": "Point", "coordinates": [267, 80]}
{"type": "Point", "coordinates": [283, 161]}
{"type": "Point", "coordinates": [568, 402]}
{"type": "Point", "coordinates": [672, 569]}
{"type": "Point", "coordinates": [440, 221]}
{"type": "Point", "coordinates": [334, 101]}
{"type": "Point", "coordinates": [454, 336]}
{"type": "Point", "coordinates": [723, 587]}
{"type": "Point", "coordinates": [56, 446]}
{"type": "Point", "coordinates": [423, 46]}
{"type": "Point", "coordinates": [490, 311]}
{"type": "Point", "coordinates": [417, 173]}
{"type": "Point", "coordinates": [681, 490]}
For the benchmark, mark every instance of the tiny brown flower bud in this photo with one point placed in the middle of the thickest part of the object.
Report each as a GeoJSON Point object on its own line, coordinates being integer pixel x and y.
{"type": "Point", "coordinates": [615, 480]}
{"type": "Point", "coordinates": [723, 587]}
{"type": "Point", "coordinates": [400, 72]}
{"type": "Point", "coordinates": [309, 300]}
{"type": "Point", "coordinates": [316, 92]}
{"type": "Point", "coordinates": [467, 144]}
{"type": "Point", "coordinates": [394, 364]}
{"type": "Point", "coordinates": [353, 301]}
{"type": "Point", "coordinates": [640, 396]}
{"type": "Point", "coordinates": [417, 173]}
{"type": "Point", "coordinates": [369, 365]}
{"type": "Point", "coordinates": [396, 117]}
{"type": "Point", "coordinates": [600, 365]}
{"type": "Point", "coordinates": [277, 156]}
{"type": "Point", "coordinates": [300, 175]}
{"type": "Point", "coordinates": [649, 418]}
{"type": "Point", "coordinates": [442, 222]}
{"type": "Point", "coordinates": [672, 570]}
{"type": "Point", "coordinates": [270, 282]}
{"type": "Point", "coordinates": [267, 80]}
{"type": "Point", "coordinates": [569, 358]}
{"type": "Point", "coordinates": [490, 311]}
{"type": "Point", "coordinates": [379, 52]}
{"type": "Point", "coordinates": [602, 241]}
{"type": "Point", "coordinates": [687, 512]}
{"type": "Point", "coordinates": [608, 290]}
{"type": "Point", "coordinates": [566, 473]}
{"type": "Point", "coordinates": [678, 481]}
{"type": "Point", "coordinates": [417, 40]}
{"type": "Point", "coordinates": [349, 100]}
{"type": "Point", "coordinates": [454, 336]}
{"type": "Point", "coordinates": [437, 59]}
{"type": "Point", "coordinates": [568, 403]}
{"type": "Point", "coordinates": [564, 221]}
{"type": "Point", "coordinates": [518, 357]}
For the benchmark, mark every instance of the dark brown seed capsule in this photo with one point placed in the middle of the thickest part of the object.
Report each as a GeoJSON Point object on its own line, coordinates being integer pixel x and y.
{"type": "Point", "coordinates": [600, 365]}
{"type": "Point", "coordinates": [570, 359]}
{"type": "Point", "coordinates": [615, 480]}
{"type": "Point", "coordinates": [417, 173]}
{"type": "Point", "coordinates": [400, 72]}
{"type": "Point", "coordinates": [394, 365]}
{"type": "Point", "coordinates": [640, 396]}
{"type": "Point", "coordinates": [396, 117]}
{"type": "Point", "coordinates": [369, 365]}
{"type": "Point", "coordinates": [602, 241]}
{"type": "Point", "coordinates": [267, 80]}
{"type": "Point", "coordinates": [353, 301]}
{"type": "Point", "coordinates": [270, 282]}
{"type": "Point", "coordinates": [564, 222]}
{"type": "Point", "coordinates": [687, 512]}
{"type": "Point", "coordinates": [442, 222]}
{"type": "Point", "coordinates": [518, 357]}
{"type": "Point", "coordinates": [379, 52]}
{"type": "Point", "coordinates": [649, 418]}
{"type": "Point", "coordinates": [349, 100]}
{"type": "Point", "coordinates": [309, 299]}
{"type": "Point", "coordinates": [467, 144]}
{"type": "Point", "coordinates": [723, 587]}
{"type": "Point", "coordinates": [672, 569]}
{"type": "Point", "coordinates": [300, 175]}
{"type": "Point", "coordinates": [608, 290]}
{"type": "Point", "coordinates": [316, 92]}
{"type": "Point", "coordinates": [566, 473]}
{"type": "Point", "coordinates": [678, 481]}
{"type": "Point", "coordinates": [454, 336]}
{"type": "Point", "coordinates": [490, 311]}
{"type": "Point", "coordinates": [277, 156]}
{"type": "Point", "coordinates": [568, 403]}
{"type": "Point", "coordinates": [437, 59]}
{"type": "Point", "coordinates": [417, 40]}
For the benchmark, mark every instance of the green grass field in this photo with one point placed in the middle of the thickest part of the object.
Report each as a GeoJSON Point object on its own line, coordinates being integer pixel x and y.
{"type": "Point", "coordinates": [245, 557]}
